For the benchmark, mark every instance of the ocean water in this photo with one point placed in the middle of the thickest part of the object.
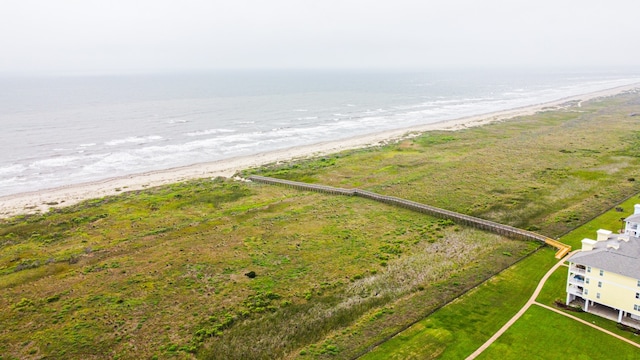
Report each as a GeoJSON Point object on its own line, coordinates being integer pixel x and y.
{"type": "Point", "coordinates": [59, 131]}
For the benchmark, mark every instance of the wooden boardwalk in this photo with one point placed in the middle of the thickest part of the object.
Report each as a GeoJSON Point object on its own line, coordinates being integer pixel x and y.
{"type": "Point", "coordinates": [482, 224]}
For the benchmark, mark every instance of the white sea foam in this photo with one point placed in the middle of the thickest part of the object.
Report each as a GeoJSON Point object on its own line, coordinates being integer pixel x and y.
{"type": "Point", "coordinates": [53, 162]}
{"type": "Point", "coordinates": [236, 124]}
{"type": "Point", "coordinates": [117, 161]}
{"type": "Point", "coordinates": [12, 170]}
{"type": "Point", "coordinates": [134, 140]}
{"type": "Point", "coordinates": [209, 132]}
{"type": "Point", "coordinates": [7, 180]}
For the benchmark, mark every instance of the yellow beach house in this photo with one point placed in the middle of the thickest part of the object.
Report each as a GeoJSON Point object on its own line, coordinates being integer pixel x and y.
{"type": "Point", "coordinates": [604, 277]}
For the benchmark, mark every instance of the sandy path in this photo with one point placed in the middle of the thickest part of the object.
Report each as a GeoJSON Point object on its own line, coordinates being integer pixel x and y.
{"type": "Point", "coordinates": [532, 301]}
{"type": "Point", "coordinates": [517, 316]}
{"type": "Point", "coordinates": [589, 324]}
{"type": "Point", "coordinates": [42, 200]}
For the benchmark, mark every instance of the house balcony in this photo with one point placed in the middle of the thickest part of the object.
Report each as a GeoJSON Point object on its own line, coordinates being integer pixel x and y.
{"type": "Point", "coordinates": [577, 280]}
{"type": "Point", "coordinates": [575, 290]}
{"type": "Point", "coordinates": [577, 270]}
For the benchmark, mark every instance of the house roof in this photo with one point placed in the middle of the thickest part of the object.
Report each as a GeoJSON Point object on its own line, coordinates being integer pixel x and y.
{"type": "Point", "coordinates": [624, 260]}
{"type": "Point", "coordinates": [633, 218]}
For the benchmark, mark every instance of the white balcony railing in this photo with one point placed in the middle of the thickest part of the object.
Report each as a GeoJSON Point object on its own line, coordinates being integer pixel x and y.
{"type": "Point", "coordinates": [574, 290]}
{"type": "Point", "coordinates": [576, 270]}
{"type": "Point", "coordinates": [576, 281]}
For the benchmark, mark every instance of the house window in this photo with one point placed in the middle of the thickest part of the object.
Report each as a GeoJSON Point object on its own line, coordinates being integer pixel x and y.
{"type": "Point", "coordinates": [586, 291]}
{"type": "Point", "coordinates": [598, 295]}
{"type": "Point", "coordinates": [601, 272]}
{"type": "Point", "coordinates": [636, 307]}
{"type": "Point", "coordinates": [586, 280]}
{"type": "Point", "coordinates": [599, 283]}
{"type": "Point", "coordinates": [637, 295]}
{"type": "Point", "coordinates": [638, 282]}
{"type": "Point", "coordinates": [589, 270]}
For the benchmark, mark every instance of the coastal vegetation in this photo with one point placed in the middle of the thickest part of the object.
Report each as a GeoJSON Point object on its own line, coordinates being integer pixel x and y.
{"type": "Point", "coordinates": [455, 331]}
{"type": "Point", "coordinates": [546, 172]}
{"type": "Point", "coordinates": [458, 329]}
{"type": "Point", "coordinates": [225, 269]}
{"type": "Point", "coordinates": [247, 271]}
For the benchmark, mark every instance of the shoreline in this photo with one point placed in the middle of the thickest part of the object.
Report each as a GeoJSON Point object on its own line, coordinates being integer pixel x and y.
{"type": "Point", "coordinates": [42, 200]}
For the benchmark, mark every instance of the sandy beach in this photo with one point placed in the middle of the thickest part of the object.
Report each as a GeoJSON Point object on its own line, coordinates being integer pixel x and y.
{"type": "Point", "coordinates": [43, 200]}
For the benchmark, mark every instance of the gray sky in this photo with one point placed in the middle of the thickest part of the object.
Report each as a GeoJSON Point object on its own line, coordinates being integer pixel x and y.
{"type": "Point", "coordinates": [91, 36]}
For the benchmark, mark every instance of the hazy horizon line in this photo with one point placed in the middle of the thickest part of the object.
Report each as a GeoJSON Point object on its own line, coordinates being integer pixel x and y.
{"type": "Point", "coordinates": [199, 71]}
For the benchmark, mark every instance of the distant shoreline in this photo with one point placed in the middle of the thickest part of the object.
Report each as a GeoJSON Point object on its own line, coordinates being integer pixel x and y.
{"type": "Point", "coordinates": [43, 200]}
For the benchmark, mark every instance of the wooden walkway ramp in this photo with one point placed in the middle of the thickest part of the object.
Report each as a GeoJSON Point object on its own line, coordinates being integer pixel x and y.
{"type": "Point", "coordinates": [482, 224]}
{"type": "Point", "coordinates": [563, 249]}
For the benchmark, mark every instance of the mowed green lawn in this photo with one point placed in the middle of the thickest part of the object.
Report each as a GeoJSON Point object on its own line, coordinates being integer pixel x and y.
{"type": "Point", "coordinates": [169, 272]}
{"type": "Point", "coordinates": [543, 334]}
{"type": "Point", "coordinates": [459, 328]}
{"type": "Point", "coordinates": [554, 289]}
{"type": "Point", "coordinates": [456, 330]}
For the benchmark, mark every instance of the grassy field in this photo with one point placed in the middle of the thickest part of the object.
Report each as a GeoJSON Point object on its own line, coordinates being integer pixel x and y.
{"type": "Point", "coordinates": [549, 172]}
{"type": "Point", "coordinates": [456, 330]}
{"type": "Point", "coordinates": [222, 269]}
{"type": "Point", "coordinates": [554, 289]}
{"type": "Point", "coordinates": [543, 334]}
{"type": "Point", "coordinates": [552, 339]}
{"type": "Point", "coordinates": [555, 286]}
{"type": "Point", "coordinates": [612, 219]}
{"type": "Point", "coordinates": [166, 271]}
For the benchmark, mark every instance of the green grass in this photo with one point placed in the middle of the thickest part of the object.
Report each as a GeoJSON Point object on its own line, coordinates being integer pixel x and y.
{"type": "Point", "coordinates": [458, 329]}
{"type": "Point", "coordinates": [161, 272]}
{"type": "Point", "coordinates": [549, 172]}
{"type": "Point", "coordinates": [446, 337]}
{"type": "Point", "coordinates": [556, 332]}
{"type": "Point", "coordinates": [555, 287]}
{"type": "Point", "coordinates": [543, 334]}
{"type": "Point", "coordinates": [611, 219]}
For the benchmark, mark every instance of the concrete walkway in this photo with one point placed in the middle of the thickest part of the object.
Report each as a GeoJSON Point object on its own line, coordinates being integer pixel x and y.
{"type": "Point", "coordinates": [517, 316]}
{"type": "Point", "coordinates": [531, 301]}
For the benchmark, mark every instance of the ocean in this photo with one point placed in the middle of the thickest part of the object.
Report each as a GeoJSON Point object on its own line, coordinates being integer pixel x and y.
{"type": "Point", "coordinates": [59, 131]}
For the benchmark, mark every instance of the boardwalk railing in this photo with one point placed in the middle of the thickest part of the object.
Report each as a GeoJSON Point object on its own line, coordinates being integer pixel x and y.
{"type": "Point", "coordinates": [482, 224]}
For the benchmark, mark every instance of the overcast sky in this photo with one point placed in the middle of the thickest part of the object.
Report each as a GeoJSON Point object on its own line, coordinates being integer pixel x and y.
{"type": "Point", "coordinates": [110, 36]}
